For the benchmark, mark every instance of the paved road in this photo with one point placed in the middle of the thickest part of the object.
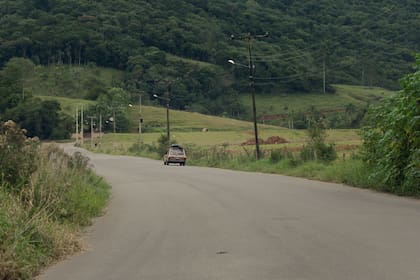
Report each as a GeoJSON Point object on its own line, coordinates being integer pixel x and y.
{"type": "Point", "coordinates": [191, 223]}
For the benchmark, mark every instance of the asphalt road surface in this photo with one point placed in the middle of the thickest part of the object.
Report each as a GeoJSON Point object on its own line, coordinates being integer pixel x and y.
{"type": "Point", "coordinates": [191, 223]}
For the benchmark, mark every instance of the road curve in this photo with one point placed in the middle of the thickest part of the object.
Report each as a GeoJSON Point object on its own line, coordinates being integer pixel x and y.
{"type": "Point", "coordinates": [192, 223]}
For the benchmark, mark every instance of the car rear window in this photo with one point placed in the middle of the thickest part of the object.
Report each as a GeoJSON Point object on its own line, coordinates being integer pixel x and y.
{"type": "Point", "coordinates": [177, 151]}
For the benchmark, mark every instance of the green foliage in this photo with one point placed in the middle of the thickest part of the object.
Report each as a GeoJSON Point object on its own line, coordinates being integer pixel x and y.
{"type": "Point", "coordinates": [215, 156]}
{"type": "Point", "coordinates": [351, 172]}
{"type": "Point", "coordinates": [112, 108]}
{"type": "Point", "coordinates": [18, 155]}
{"type": "Point", "coordinates": [144, 150]}
{"type": "Point", "coordinates": [11, 84]}
{"type": "Point", "coordinates": [163, 144]}
{"type": "Point", "coordinates": [317, 149]}
{"type": "Point", "coordinates": [367, 43]}
{"type": "Point", "coordinates": [45, 197]}
{"type": "Point", "coordinates": [39, 118]}
{"type": "Point", "coordinates": [392, 138]}
{"type": "Point", "coordinates": [278, 155]}
{"type": "Point", "coordinates": [153, 150]}
{"type": "Point", "coordinates": [86, 199]}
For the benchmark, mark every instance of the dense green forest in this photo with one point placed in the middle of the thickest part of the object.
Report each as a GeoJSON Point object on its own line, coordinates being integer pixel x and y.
{"type": "Point", "coordinates": [186, 44]}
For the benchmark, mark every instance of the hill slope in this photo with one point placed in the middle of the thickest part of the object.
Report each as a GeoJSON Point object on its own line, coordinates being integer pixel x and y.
{"type": "Point", "coordinates": [343, 109]}
{"type": "Point", "coordinates": [358, 42]}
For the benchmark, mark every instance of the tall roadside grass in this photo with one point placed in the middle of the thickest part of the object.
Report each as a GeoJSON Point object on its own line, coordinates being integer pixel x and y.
{"type": "Point", "coordinates": [350, 171]}
{"type": "Point", "coordinates": [42, 211]}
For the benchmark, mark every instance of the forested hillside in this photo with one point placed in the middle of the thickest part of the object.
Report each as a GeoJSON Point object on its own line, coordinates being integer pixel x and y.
{"type": "Point", "coordinates": [189, 42]}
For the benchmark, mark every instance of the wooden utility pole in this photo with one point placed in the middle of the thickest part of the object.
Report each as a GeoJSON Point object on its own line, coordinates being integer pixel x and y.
{"type": "Point", "coordinates": [77, 125]}
{"type": "Point", "coordinates": [91, 130]}
{"type": "Point", "coordinates": [251, 67]}
{"type": "Point", "coordinates": [324, 76]}
{"type": "Point", "coordinates": [81, 128]}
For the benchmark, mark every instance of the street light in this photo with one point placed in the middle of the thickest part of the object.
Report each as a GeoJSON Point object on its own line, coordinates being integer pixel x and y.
{"type": "Point", "coordinates": [231, 61]}
{"type": "Point", "coordinates": [167, 114]}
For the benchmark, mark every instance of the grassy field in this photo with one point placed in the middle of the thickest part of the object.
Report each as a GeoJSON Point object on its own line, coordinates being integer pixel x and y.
{"type": "Point", "coordinates": [237, 138]}
{"type": "Point", "coordinates": [186, 129]}
{"type": "Point", "coordinates": [287, 103]}
{"type": "Point", "coordinates": [346, 141]}
{"type": "Point", "coordinates": [185, 121]}
{"type": "Point", "coordinates": [69, 105]}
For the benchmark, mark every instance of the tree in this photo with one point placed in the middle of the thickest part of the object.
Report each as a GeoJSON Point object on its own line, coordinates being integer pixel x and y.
{"type": "Point", "coordinates": [12, 82]}
{"type": "Point", "coordinates": [392, 138]}
{"type": "Point", "coordinates": [113, 109]}
{"type": "Point", "coordinates": [41, 119]}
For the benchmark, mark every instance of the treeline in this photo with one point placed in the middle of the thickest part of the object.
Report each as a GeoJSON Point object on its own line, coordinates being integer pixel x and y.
{"type": "Point", "coordinates": [188, 42]}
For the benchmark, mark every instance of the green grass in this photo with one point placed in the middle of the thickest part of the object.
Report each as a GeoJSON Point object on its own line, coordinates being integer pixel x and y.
{"type": "Point", "coordinates": [69, 105]}
{"type": "Point", "coordinates": [41, 223]}
{"type": "Point", "coordinates": [186, 121]}
{"type": "Point", "coordinates": [350, 171]}
{"type": "Point", "coordinates": [120, 142]}
{"type": "Point", "coordinates": [288, 103]}
{"type": "Point", "coordinates": [191, 62]}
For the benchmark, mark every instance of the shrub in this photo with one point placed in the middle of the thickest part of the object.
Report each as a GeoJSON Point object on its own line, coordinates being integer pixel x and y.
{"type": "Point", "coordinates": [317, 149]}
{"type": "Point", "coordinates": [392, 139]}
{"type": "Point", "coordinates": [276, 156]}
{"type": "Point", "coordinates": [18, 156]}
{"type": "Point", "coordinates": [163, 144]}
{"type": "Point", "coordinates": [45, 196]}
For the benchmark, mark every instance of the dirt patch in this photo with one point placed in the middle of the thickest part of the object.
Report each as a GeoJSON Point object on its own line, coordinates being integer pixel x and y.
{"type": "Point", "coordinates": [275, 140]}
{"type": "Point", "coordinates": [270, 140]}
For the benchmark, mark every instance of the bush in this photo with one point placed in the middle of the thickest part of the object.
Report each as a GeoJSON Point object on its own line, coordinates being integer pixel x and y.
{"type": "Point", "coordinates": [392, 139]}
{"type": "Point", "coordinates": [18, 155]}
{"type": "Point", "coordinates": [163, 145]}
{"type": "Point", "coordinates": [276, 156]}
{"type": "Point", "coordinates": [317, 149]}
{"type": "Point", "coordinates": [45, 195]}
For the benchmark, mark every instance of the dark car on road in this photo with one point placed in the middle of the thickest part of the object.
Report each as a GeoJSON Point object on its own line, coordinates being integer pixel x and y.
{"type": "Point", "coordinates": [175, 154]}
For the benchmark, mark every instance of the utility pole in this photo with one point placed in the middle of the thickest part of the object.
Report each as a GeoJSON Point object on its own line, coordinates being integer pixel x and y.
{"type": "Point", "coordinates": [113, 119]}
{"type": "Point", "coordinates": [168, 89]}
{"type": "Point", "coordinates": [324, 75]}
{"type": "Point", "coordinates": [100, 125]}
{"type": "Point", "coordinates": [77, 125]}
{"type": "Point", "coordinates": [81, 128]}
{"type": "Point", "coordinates": [91, 129]}
{"type": "Point", "coordinates": [249, 38]}
{"type": "Point", "coordinates": [140, 119]}
{"type": "Point", "coordinates": [168, 100]}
